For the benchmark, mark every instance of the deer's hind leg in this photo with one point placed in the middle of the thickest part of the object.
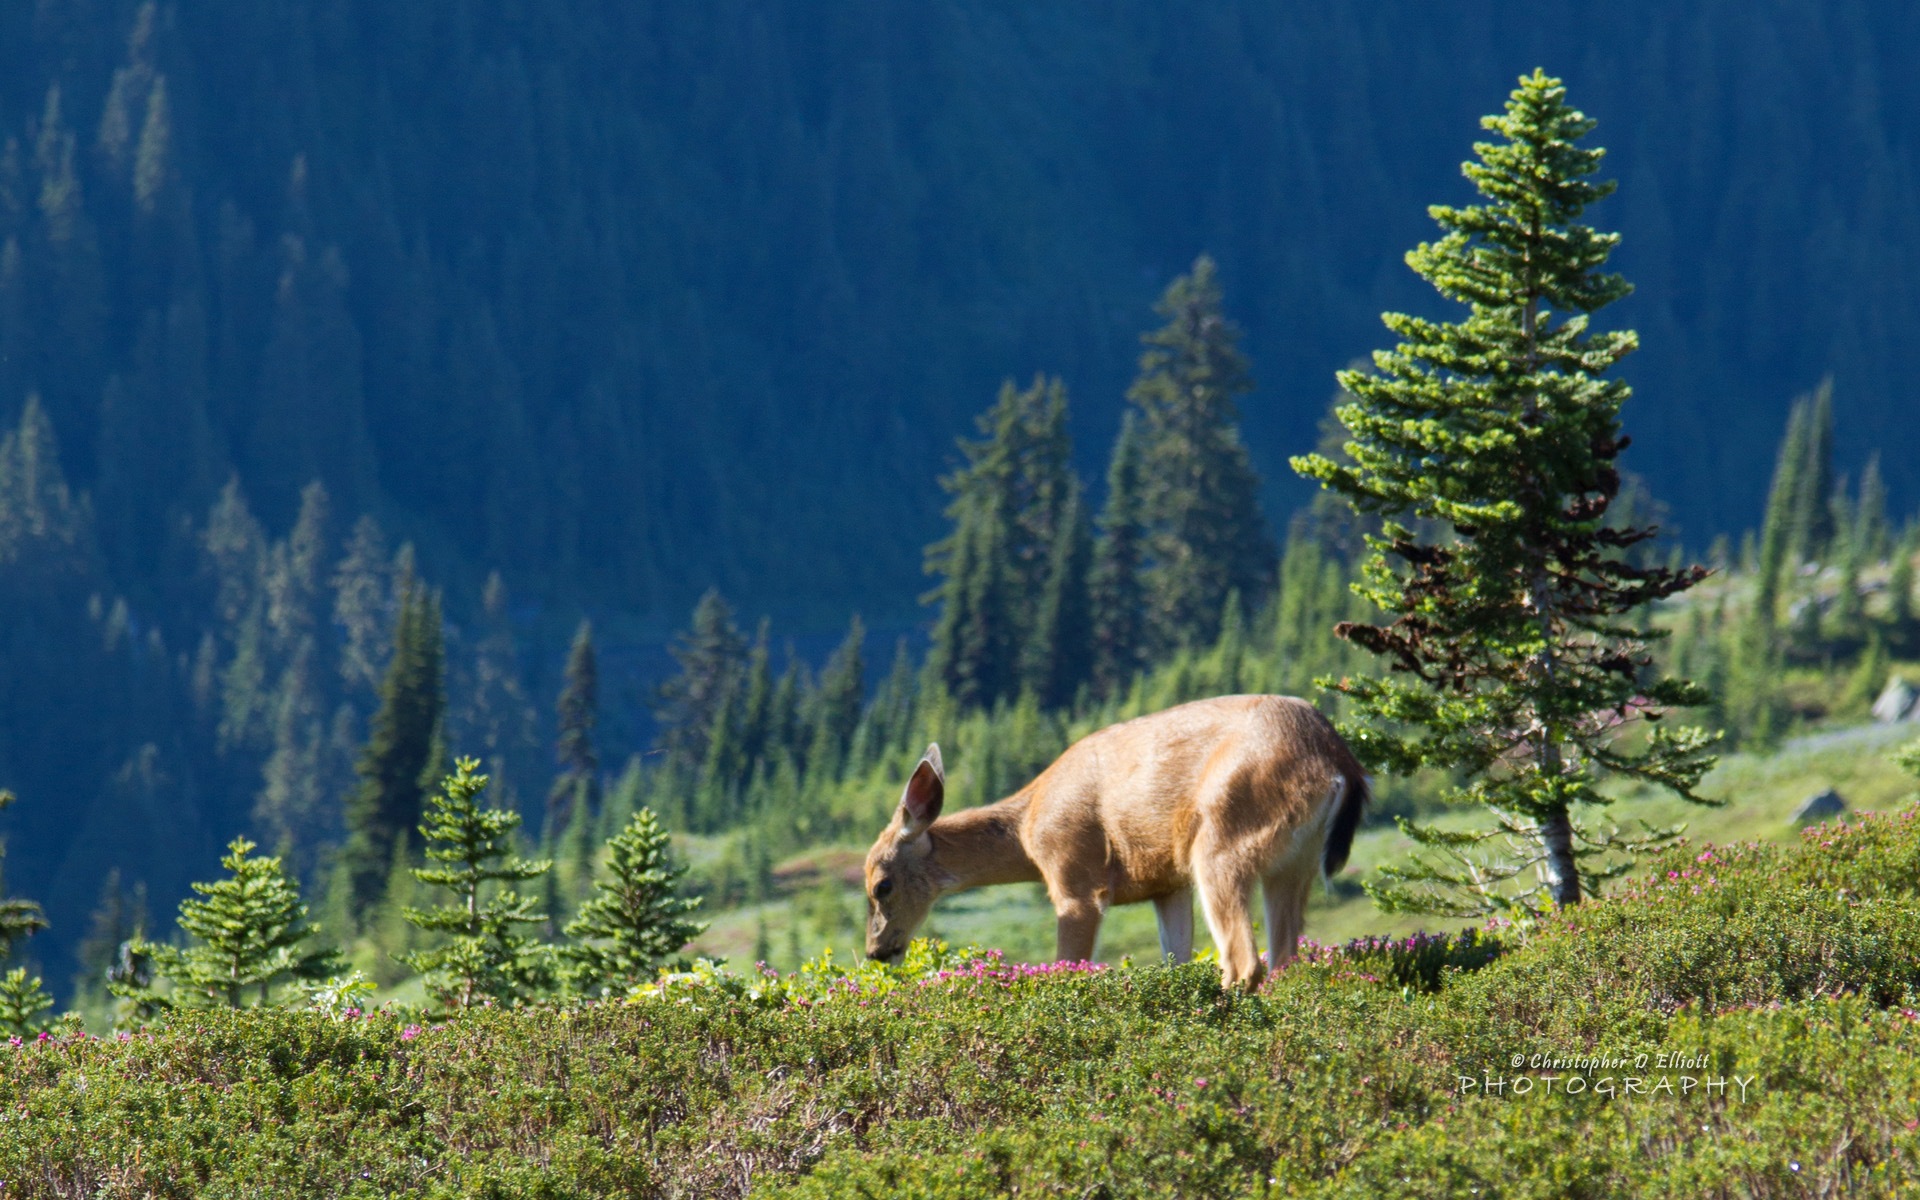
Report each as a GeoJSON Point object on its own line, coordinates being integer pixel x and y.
{"type": "Point", "coordinates": [1286, 896]}
{"type": "Point", "coordinates": [1224, 872]}
{"type": "Point", "coordinates": [1174, 913]}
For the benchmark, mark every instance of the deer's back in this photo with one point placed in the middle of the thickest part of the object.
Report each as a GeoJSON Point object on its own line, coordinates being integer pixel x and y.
{"type": "Point", "coordinates": [1127, 800]}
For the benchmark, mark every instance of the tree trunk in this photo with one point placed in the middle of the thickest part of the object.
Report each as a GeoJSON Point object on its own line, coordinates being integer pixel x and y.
{"type": "Point", "coordinates": [1563, 874]}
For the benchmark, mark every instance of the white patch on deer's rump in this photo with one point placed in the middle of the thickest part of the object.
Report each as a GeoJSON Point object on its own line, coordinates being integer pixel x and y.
{"type": "Point", "coordinates": [1299, 850]}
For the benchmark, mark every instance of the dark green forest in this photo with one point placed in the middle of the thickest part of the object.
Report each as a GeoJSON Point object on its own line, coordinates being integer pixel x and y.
{"type": "Point", "coordinates": [352, 353]}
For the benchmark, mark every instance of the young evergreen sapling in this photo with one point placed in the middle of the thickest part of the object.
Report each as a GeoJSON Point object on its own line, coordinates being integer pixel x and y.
{"type": "Point", "coordinates": [249, 933]}
{"type": "Point", "coordinates": [636, 919]}
{"type": "Point", "coordinates": [24, 1004]}
{"type": "Point", "coordinates": [487, 956]}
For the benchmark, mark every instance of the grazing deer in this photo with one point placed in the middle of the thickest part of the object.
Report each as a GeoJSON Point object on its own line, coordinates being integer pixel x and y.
{"type": "Point", "coordinates": [1215, 795]}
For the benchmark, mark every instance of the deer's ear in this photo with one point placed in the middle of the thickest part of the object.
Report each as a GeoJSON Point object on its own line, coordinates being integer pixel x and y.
{"type": "Point", "coordinates": [926, 791]}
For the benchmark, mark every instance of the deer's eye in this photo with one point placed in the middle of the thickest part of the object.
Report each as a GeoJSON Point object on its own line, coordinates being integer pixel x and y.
{"type": "Point", "coordinates": [883, 889]}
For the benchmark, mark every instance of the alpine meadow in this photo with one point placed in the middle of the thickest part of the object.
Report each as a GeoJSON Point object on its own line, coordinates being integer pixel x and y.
{"type": "Point", "coordinates": [610, 599]}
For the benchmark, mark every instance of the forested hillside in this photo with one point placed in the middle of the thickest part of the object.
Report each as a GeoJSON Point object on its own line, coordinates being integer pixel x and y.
{"type": "Point", "coordinates": [626, 299]}
{"type": "Point", "coordinates": [351, 352]}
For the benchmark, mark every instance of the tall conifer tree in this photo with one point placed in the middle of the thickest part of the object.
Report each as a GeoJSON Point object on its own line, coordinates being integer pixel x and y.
{"type": "Point", "coordinates": [1779, 541]}
{"type": "Point", "coordinates": [1869, 532]}
{"type": "Point", "coordinates": [837, 701]}
{"type": "Point", "coordinates": [1813, 525]}
{"type": "Point", "coordinates": [1199, 496]}
{"type": "Point", "coordinates": [1009, 501]}
{"type": "Point", "coordinates": [756, 706]}
{"type": "Point", "coordinates": [1509, 604]}
{"type": "Point", "coordinates": [888, 721]}
{"type": "Point", "coordinates": [384, 812]}
{"type": "Point", "coordinates": [973, 637]}
{"type": "Point", "coordinates": [712, 658]}
{"type": "Point", "coordinates": [576, 790]}
{"type": "Point", "coordinates": [1058, 655]}
{"type": "Point", "coordinates": [362, 583]}
{"type": "Point", "coordinates": [1118, 595]}
{"type": "Point", "coordinates": [498, 717]}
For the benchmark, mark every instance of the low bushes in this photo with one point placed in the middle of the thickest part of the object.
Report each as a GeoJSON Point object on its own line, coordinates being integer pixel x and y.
{"type": "Point", "coordinates": [1376, 1068]}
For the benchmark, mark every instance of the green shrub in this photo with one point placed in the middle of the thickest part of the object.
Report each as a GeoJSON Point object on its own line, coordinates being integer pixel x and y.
{"type": "Point", "coordinates": [1420, 961]}
{"type": "Point", "coordinates": [960, 1075]}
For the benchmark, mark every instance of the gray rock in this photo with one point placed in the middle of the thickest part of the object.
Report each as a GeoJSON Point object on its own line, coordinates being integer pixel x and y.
{"type": "Point", "coordinates": [1819, 807]}
{"type": "Point", "coordinates": [1898, 702]}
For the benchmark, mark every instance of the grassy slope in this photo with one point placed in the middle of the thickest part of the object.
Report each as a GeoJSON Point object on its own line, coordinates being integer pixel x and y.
{"type": "Point", "coordinates": [1760, 794]}
{"type": "Point", "coordinates": [1794, 968]}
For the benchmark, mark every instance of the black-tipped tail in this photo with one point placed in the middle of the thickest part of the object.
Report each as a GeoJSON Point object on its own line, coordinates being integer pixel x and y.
{"type": "Point", "coordinates": [1354, 794]}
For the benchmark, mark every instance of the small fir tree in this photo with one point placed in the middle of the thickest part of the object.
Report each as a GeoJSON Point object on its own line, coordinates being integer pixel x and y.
{"type": "Point", "coordinates": [636, 919]}
{"type": "Point", "coordinates": [783, 721]}
{"type": "Point", "coordinates": [487, 956]}
{"type": "Point", "coordinates": [24, 1004]}
{"type": "Point", "coordinates": [1867, 677]}
{"type": "Point", "coordinates": [1848, 619]}
{"type": "Point", "coordinates": [1488, 448]}
{"type": "Point", "coordinates": [249, 932]}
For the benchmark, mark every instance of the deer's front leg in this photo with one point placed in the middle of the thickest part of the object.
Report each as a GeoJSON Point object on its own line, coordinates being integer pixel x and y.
{"type": "Point", "coordinates": [1174, 912]}
{"type": "Point", "coordinates": [1078, 926]}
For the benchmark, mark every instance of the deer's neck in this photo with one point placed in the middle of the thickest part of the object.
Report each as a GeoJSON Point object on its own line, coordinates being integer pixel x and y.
{"type": "Point", "coordinates": [982, 846]}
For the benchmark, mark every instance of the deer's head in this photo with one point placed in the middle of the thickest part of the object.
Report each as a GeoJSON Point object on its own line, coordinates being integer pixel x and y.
{"type": "Point", "coordinates": [901, 876]}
